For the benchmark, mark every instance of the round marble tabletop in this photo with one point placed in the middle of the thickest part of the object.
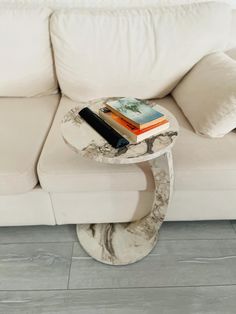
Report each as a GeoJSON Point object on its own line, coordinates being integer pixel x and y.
{"type": "Point", "coordinates": [83, 139]}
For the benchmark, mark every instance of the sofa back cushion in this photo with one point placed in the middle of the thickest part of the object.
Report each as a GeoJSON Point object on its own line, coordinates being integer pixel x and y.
{"type": "Point", "coordinates": [140, 53]}
{"type": "Point", "coordinates": [207, 95]}
{"type": "Point", "coordinates": [233, 29]}
{"type": "Point", "coordinates": [26, 63]}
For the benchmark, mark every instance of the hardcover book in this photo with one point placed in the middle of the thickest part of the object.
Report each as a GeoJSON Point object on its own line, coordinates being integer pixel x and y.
{"type": "Point", "coordinates": [136, 112]}
{"type": "Point", "coordinates": [129, 130]}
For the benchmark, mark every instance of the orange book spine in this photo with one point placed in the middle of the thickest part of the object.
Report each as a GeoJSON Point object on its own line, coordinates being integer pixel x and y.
{"type": "Point", "coordinates": [131, 127]}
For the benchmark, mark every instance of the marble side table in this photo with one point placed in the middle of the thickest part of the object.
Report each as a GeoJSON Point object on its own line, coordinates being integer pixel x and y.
{"type": "Point", "coordinates": [124, 243]}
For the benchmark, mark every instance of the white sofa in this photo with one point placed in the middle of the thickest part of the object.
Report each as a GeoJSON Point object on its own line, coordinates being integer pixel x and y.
{"type": "Point", "coordinates": [42, 181]}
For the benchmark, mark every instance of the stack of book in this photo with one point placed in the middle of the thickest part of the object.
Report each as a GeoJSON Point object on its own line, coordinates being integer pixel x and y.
{"type": "Point", "coordinates": [133, 118]}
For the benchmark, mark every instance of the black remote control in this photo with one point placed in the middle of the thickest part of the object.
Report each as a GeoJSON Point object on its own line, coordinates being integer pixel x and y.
{"type": "Point", "coordinates": [104, 129]}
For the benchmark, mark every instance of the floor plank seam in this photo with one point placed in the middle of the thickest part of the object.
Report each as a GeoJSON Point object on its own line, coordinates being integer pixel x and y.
{"type": "Point", "coordinates": [161, 240]}
{"type": "Point", "coordinates": [198, 239]}
{"type": "Point", "coordinates": [68, 281]}
{"type": "Point", "coordinates": [39, 242]}
{"type": "Point", "coordinates": [156, 287]}
{"type": "Point", "coordinates": [120, 288]}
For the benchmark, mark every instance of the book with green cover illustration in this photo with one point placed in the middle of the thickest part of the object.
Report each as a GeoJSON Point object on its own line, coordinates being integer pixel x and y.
{"type": "Point", "coordinates": [135, 111]}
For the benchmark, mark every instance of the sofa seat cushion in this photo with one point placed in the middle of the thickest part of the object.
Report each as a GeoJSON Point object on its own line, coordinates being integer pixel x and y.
{"type": "Point", "coordinates": [24, 124]}
{"type": "Point", "coordinates": [62, 170]}
{"type": "Point", "coordinates": [202, 163]}
{"type": "Point", "coordinates": [199, 163]}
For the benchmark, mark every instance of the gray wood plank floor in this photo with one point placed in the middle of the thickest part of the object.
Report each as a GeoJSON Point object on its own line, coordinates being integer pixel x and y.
{"type": "Point", "coordinates": [43, 270]}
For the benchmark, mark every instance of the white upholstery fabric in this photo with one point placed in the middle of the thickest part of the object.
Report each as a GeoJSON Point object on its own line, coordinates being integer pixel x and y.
{"type": "Point", "coordinates": [37, 207]}
{"type": "Point", "coordinates": [26, 209]}
{"type": "Point", "coordinates": [98, 53]}
{"type": "Point", "coordinates": [232, 42]}
{"type": "Point", "coordinates": [62, 170]}
{"type": "Point", "coordinates": [24, 123]}
{"type": "Point", "coordinates": [202, 205]}
{"type": "Point", "coordinates": [101, 206]}
{"type": "Point", "coordinates": [231, 49]}
{"type": "Point", "coordinates": [58, 4]}
{"type": "Point", "coordinates": [232, 53]}
{"type": "Point", "coordinates": [26, 61]}
{"type": "Point", "coordinates": [111, 206]}
{"type": "Point", "coordinates": [201, 163]}
{"type": "Point", "coordinates": [207, 95]}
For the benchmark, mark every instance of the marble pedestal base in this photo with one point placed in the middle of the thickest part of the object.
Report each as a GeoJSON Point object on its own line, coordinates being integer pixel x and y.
{"type": "Point", "coordinates": [126, 243]}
